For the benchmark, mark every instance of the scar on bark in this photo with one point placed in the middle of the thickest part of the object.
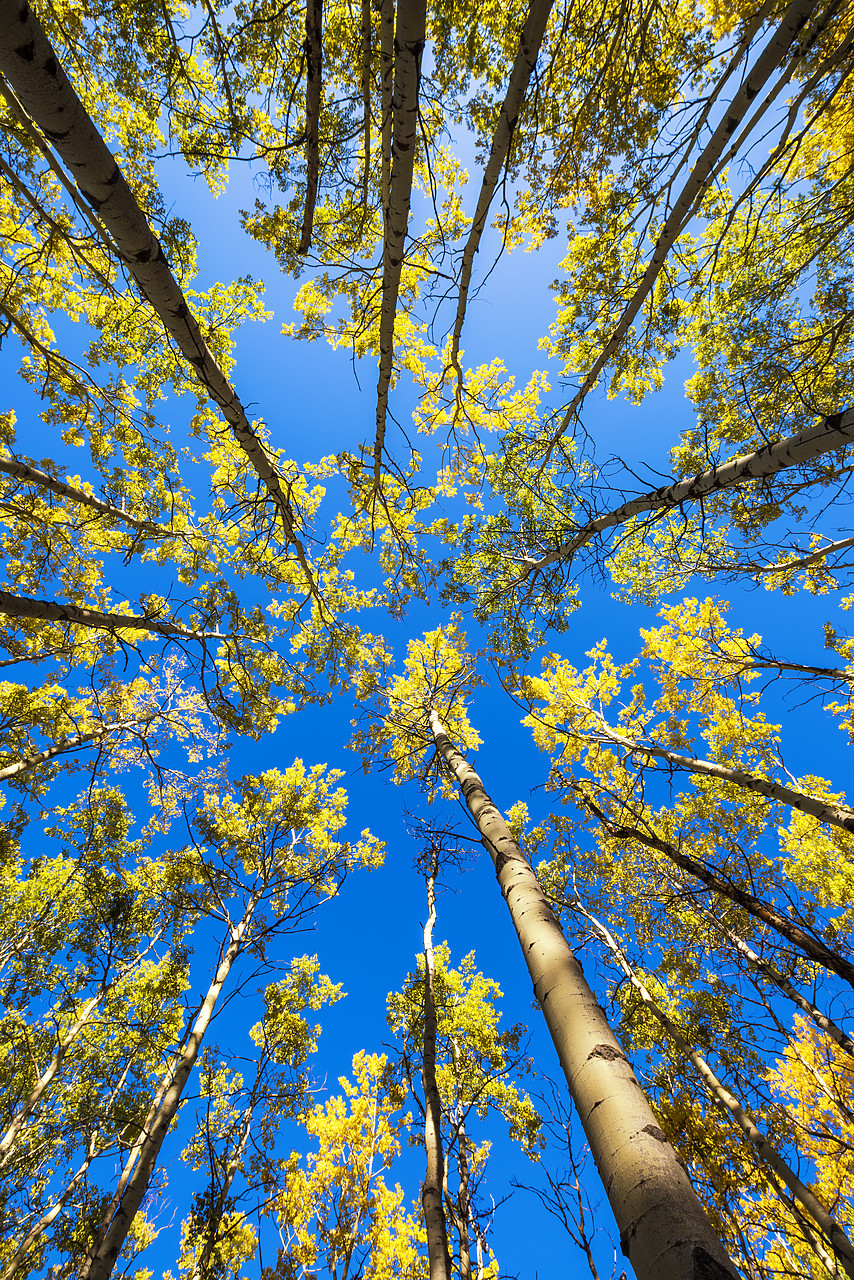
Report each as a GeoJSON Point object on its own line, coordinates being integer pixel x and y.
{"type": "Point", "coordinates": [606, 1051]}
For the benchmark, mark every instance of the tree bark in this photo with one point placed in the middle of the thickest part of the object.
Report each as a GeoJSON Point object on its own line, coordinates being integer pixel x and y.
{"type": "Point", "coordinates": [386, 8]}
{"type": "Point", "coordinates": [530, 42]}
{"type": "Point", "coordinates": [50, 611]}
{"type": "Point", "coordinates": [30, 63]}
{"type": "Point", "coordinates": [103, 1258]}
{"type": "Point", "coordinates": [813, 948]}
{"type": "Point", "coordinates": [32, 475]}
{"type": "Point", "coordinates": [38, 1228]}
{"type": "Point", "coordinates": [834, 432]}
{"type": "Point", "coordinates": [434, 1178]}
{"type": "Point", "coordinates": [313, 88]}
{"type": "Point", "coordinates": [836, 1237]}
{"type": "Point", "coordinates": [773, 975]}
{"type": "Point", "coordinates": [688, 199]}
{"type": "Point", "coordinates": [663, 1229]}
{"type": "Point", "coordinates": [836, 815]}
{"type": "Point", "coordinates": [409, 36]}
{"type": "Point", "coordinates": [367, 31]}
{"type": "Point", "coordinates": [62, 748]}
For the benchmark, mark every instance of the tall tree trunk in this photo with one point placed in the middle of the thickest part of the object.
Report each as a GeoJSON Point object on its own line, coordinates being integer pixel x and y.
{"type": "Point", "coordinates": [663, 1229]}
{"type": "Point", "coordinates": [772, 974]}
{"type": "Point", "coordinates": [30, 63]}
{"type": "Point", "coordinates": [530, 41]}
{"type": "Point", "coordinates": [463, 1202]}
{"type": "Point", "coordinates": [12, 606]}
{"type": "Point", "coordinates": [386, 8]}
{"type": "Point", "coordinates": [367, 32]}
{"type": "Point", "coordinates": [39, 1228]}
{"type": "Point", "coordinates": [688, 199]}
{"type": "Point", "coordinates": [836, 1237]}
{"type": "Point", "coordinates": [434, 1178]}
{"type": "Point", "coordinates": [313, 88]}
{"type": "Point", "coordinates": [805, 942]}
{"type": "Point", "coordinates": [32, 475]}
{"type": "Point", "coordinates": [105, 1254]}
{"type": "Point", "coordinates": [409, 35]}
{"type": "Point", "coordinates": [832, 433]}
{"type": "Point", "coordinates": [834, 814]}
{"type": "Point", "coordinates": [28, 763]}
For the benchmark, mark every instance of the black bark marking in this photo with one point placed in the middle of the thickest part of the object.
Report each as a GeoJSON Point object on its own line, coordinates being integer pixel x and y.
{"type": "Point", "coordinates": [654, 1132]}
{"type": "Point", "coordinates": [606, 1051]}
{"type": "Point", "coordinates": [26, 52]}
{"type": "Point", "coordinates": [708, 1268]}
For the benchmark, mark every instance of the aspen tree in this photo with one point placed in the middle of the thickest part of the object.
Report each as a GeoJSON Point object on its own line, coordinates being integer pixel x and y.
{"type": "Point", "coordinates": [663, 1230]}
{"type": "Point", "coordinates": [276, 841]}
{"type": "Point", "coordinates": [839, 1242]}
{"type": "Point", "coordinates": [434, 1177]}
{"type": "Point", "coordinates": [475, 1068]}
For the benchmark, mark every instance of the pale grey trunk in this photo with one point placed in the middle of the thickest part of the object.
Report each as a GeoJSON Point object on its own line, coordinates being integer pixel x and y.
{"type": "Point", "coordinates": [62, 748]}
{"type": "Point", "coordinates": [687, 201]}
{"type": "Point", "coordinates": [832, 433]}
{"type": "Point", "coordinates": [104, 1258]}
{"type": "Point", "coordinates": [367, 29]}
{"type": "Point", "coordinates": [837, 1238]}
{"type": "Point", "coordinates": [40, 1088]}
{"type": "Point", "coordinates": [386, 9]}
{"type": "Point", "coordinates": [773, 975]}
{"type": "Point", "coordinates": [30, 63]}
{"type": "Point", "coordinates": [663, 1228]}
{"type": "Point", "coordinates": [32, 475]}
{"type": "Point", "coordinates": [805, 942]}
{"type": "Point", "coordinates": [823, 552]}
{"type": "Point", "coordinates": [431, 1188]}
{"type": "Point", "coordinates": [409, 35]}
{"type": "Point", "coordinates": [39, 1228]}
{"type": "Point", "coordinates": [530, 41]}
{"type": "Point", "coordinates": [313, 87]}
{"type": "Point", "coordinates": [78, 615]}
{"type": "Point", "coordinates": [836, 815]}
{"type": "Point", "coordinates": [463, 1202]}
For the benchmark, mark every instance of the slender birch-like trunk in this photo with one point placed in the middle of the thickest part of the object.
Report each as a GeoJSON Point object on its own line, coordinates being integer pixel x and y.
{"type": "Point", "coordinates": [313, 88]}
{"type": "Point", "coordinates": [32, 475]}
{"type": "Point", "coordinates": [714, 154]}
{"type": "Point", "coordinates": [367, 31]}
{"type": "Point", "coordinates": [29, 62]}
{"type": "Point", "coordinates": [836, 1237]}
{"type": "Point", "coordinates": [463, 1202]}
{"type": "Point", "coordinates": [40, 1088]}
{"type": "Point", "coordinates": [809, 945]}
{"type": "Point", "coordinates": [663, 1229]}
{"type": "Point", "coordinates": [39, 1228]}
{"type": "Point", "coordinates": [834, 814]}
{"type": "Point", "coordinates": [62, 748]}
{"type": "Point", "coordinates": [103, 1257]}
{"type": "Point", "coordinates": [12, 606]}
{"type": "Point", "coordinates": [779, 980]}
{"type": "Point", "coordinates": [530, 42]}
{"type": "Point", "coordinates": [832, 433]}
{"type": "Point", "coordinates": [410, 31]}
{"type": "Point", "coordinates": [201, 1267]}
{"type": "Point", "coordinates": [434, 1178]}
{"type": "Point", "coordinates": [386, 8]}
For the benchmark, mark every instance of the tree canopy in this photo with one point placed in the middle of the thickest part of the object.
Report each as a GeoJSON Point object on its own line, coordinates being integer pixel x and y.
{"type": "Point", "coordinates": [311, 488]}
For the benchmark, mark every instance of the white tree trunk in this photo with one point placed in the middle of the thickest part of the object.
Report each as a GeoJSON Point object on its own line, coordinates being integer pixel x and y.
{"type": "Point", "coordinates": [663, 1228]}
